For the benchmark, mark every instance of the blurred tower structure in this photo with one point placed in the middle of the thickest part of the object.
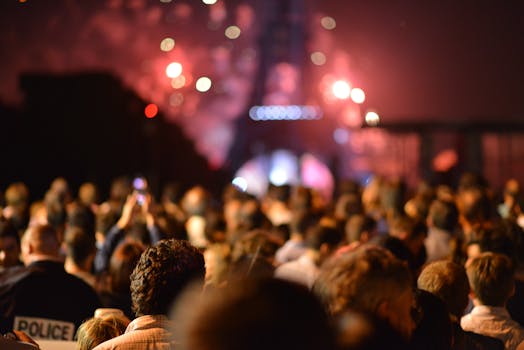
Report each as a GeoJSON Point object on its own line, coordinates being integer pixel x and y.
{"type": "Point", "coordinates": [282, 80]}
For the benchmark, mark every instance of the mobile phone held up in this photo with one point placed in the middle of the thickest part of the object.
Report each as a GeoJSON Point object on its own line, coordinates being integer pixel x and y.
{"type": "Point", "coordinates": [140, 187]}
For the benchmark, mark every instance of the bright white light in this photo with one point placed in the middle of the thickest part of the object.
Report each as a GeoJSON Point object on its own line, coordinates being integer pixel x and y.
{"type": "Point", "coordinates": [232, 32]}
{"type": "Point", "coordinates": [328, 23]}
{"type": "Point", "coordinates": [203, 84]}
{"type": "Point", "coordinates": [278, 177]}
{"type": "Point", "coordinates": [341, 89]}
{"type": "Point", "coordinates": [276, 112]}
{"type": "Point", "coordinates": [318, 58]}
{"type": "Point", "coordinates": [372, 118]}
{"type": "Point", "coordinates": [167, 44]}
{"type": "Point", "coordinates": [174, 69]}
{"type": "Point", "coordinates": [240, 182]}
{"type": "Point", "coordinates": [341, 136]}
{"type": "Point", "coordinates": [358, 95]}
{"type": "Point", "coordinates": [209, 2]}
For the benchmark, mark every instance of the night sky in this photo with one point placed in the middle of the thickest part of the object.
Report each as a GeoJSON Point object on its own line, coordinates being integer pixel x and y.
{"type": "Point", "coordinates": [416, 60]}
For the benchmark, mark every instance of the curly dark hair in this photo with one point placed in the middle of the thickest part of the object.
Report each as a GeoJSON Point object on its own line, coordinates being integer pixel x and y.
{"type": "Point", "coordinates": [161, 274]}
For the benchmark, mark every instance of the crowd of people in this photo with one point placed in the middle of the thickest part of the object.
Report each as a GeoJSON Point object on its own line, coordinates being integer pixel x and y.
{"type": "Point", "coordinates": [377, 266]}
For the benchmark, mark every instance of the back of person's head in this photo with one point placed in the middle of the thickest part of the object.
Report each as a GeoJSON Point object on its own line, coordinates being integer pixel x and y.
{"type": "Point", "coordinates": [88, 194]}
{"type": "Point", "coordinates": [195, 201]}
{"type": "Point", "coordinates": [368, 279]}
{"type": "Point", "coordinates": [253, 314]}
{"type": "Point", "coordinates": [474, 205]}
{"type": "Point", "coordinates": [162, 272]}
{"type": "Point", "coordinates": [56, 209]}
{"type": "Point", "coordinates": [79, 244]}
{"type": "Point", "coordinates": [98, 329]}
{"type": "Point", "coordinates": [448, 281]}
{"type": "Point", "coordinates": [122, 263]}
{"type": "Point", "coordinates": [498, 239]}
{"type": "Point", "coordinates": [40, 239]}
{"type": "Point", "coordinates": [323, 234]}
{"type": "Point", "coordinates": [17, 195]}
{"type": "Point", "coordinates": [9, 244]}
{"type": "Point", "coordinates": [302, 221]}
{"type": "Point", "coordinates": [347, 205]}
{"type": "Point", "coordinates": [433, 325]}
{"type": "Point", "coordinates": [256, 243]}
{"type": "Point", "coordinates": [360, 228]}
{"type": "Point", "coordinates": [301, 199]}
{"type": "Point", "coordinates": [120, 188]}
{"type": "Point", "coordinates": [80, 215]}
{"type": "Point", "coordinates": [491, 277]}
{"type": "Point", "coordinates": [443, 215]}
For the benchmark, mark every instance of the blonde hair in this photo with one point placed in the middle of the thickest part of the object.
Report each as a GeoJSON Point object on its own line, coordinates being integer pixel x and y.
{"type": "Point", "coordinates": [97, 330]}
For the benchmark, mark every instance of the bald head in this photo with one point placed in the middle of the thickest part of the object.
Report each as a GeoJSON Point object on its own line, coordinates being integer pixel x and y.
{"type": "Point", "coordinates": [40, 240]}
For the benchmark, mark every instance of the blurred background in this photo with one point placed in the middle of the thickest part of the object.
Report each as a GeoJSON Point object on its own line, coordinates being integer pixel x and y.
{"type": "Point", "coordinates": [280, 91]}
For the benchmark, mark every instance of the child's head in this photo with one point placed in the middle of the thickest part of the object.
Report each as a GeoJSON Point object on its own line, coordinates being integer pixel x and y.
{"type": "Point", "coordinates": [98, 329]}
{"type": "Point", "coordinates": [491, 277]}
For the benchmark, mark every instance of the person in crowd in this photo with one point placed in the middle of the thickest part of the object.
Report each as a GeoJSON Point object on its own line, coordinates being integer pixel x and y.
{"type": "Point", "coordinates": [9, 245]}
{"type": "Point", "coordinates": [136, 222]}
{"type": "Point", "coordinates": [448, 281]}
{"type": "Point", "coordinates": [195, 203]}
{"type": "Point", "coordinates": [80, 252]}
{"type": "Point", "coordinates": [368, 279]}
{"type": "Point", "coordinates": [115, 287]}
{"type": "Point", "coordinates": [321, 242]}
{"type": "Point", "coordinates": [89, 196]}
{"type": "Point", "coordinates": [252, 314]}
{"type": "Point", "coordinates": [433, 327]}
{"type": "Point", "coordinates": [162, 273]}
{"type": "Point", "coordinates": [359, 229]}
{"type": "Point", "coordinates": [442, 222]}
{"type": "Point", "coordinates": [42, 299]}
{"type": "Point", "coordinates": [99, 329]}
{"type": "Point", "coordinates": [295, 246]}
{"type": "Point", "coordinates": [253, 254]}
{"type": "Point", "coordinates": [492, 281]}
{"type": "Point", "coordinates": [17, 205]}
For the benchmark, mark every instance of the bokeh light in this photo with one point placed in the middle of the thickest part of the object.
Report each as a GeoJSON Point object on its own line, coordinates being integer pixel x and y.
{"type": "Point", "coordinates": [178, 82]}
{"type": "Point", "coordinates": [209, 2]}
{"type": "Point", "coordinates": [341, 89]}
{"type": "Point", "coordinates": [166, 1]}
{"type": "Point", "coordinates": [167, 44]}
{"type": "Point", "coordinates": [176, 99]}
{"type": "Point", "coordinates": [372, 118]}
{"type": "Point", "coordinates": [358, 95]}
{"type": "Point", "coordinates": [151, 110]}
{"type": "Point", "coordinates": [174, 69]}
{"type": "Point", "coordinates": [232, 32]}
{"type": "Point", "coordinates": [341, 136]}
{"type": "Point", "coordinates": [328, 23]}
{"type": "Point", "coordinates": [203, 84]}
{"type": "Point", "coordinates": [318, 58]}
{"type": "Point", "coordinates": [240, 183]}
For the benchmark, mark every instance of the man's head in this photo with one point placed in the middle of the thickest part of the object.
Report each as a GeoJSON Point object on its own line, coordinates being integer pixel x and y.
{"type": "Point", "coordinates": [443, 215]}
{"type": "Point", "coordinates": [371, 280]}
{"type": "Point", "coordinates": [491, 277]}
{"type": "Point", "coordinates": [40, 241]}
{"type": "Point", "coordinates": [80, 246]}
{"type": "Point", "coordinates": [448, 281]}
{"type": "Point", "coordinates": [162, 272]}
